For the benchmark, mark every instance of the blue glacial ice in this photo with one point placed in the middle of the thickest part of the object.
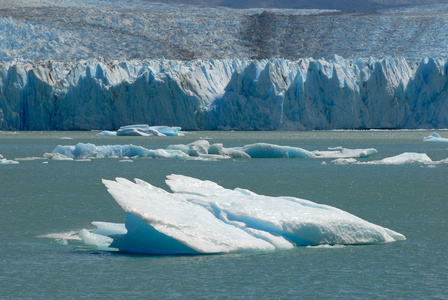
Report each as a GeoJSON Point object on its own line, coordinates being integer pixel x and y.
{"type": "Point", "coordinates": [83, 151]}
{"type": "Point", "coordinates": [203, 217]}
{"type": "Point", "coordinates": [202, 149]}
{"type": "Point", "coordinates": [143, 130]}
{"type": "Point", "coordinates": [274, 94]}
{"type": "Point", "coordinates": [434, 137]}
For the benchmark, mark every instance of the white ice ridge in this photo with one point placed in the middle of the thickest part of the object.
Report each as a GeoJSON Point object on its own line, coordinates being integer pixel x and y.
{"type": "Point", "coordinates": [202, 149]}
{"type": "Point", "coordinates": [401, 159]}
{"type": "Point", "coordinates": [203, 217]}
{"type": "Point", "coordinates": [435, 138]}
{"type": "Point", "coordinates": [274, 94]}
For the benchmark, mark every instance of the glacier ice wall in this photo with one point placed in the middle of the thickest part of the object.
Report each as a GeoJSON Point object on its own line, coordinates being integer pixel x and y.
{"type": "Point", "coordinates": [273, 94]}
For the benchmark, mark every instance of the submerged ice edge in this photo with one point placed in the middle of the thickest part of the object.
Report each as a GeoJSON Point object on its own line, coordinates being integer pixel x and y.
{"type": "Point", "coordinates": [203, 150]}
{"type": "Point", "coordinates": [201, 217]}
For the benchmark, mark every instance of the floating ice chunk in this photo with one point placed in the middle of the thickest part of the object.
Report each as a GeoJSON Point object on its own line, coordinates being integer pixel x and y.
{"type": "Point", "coordinates": [107, 133]}
{"type": "Point", "coordinates": [264, 150]}
{"type": "Point", "coordinates": [202, 149]}
{"type": "Point", "coordinates": [4, 161]}
{"type": "Point", "coordinates": [344, 161]}
{"type": "Point", "coordinates": [435, 138]}
{"type": "Point", "coordinates": [203, 217]}
{"type": "Point", "coordinates": [168, 131]}
{"type": "Point", "coordinates": [146, 130]}
{"type": "Point", "coordinates": [340, 152]}
{"type": "Point", "coordinates": [220, 150]}
{"type": "Point", "coordinates": [401, 159]}
{"type": "Point", "coordinates": [81, 151]}
{"type": "Point", "coordinates": [404, 158]}
{"type": "Point", "coordinates": [198, 148]}
{"type": "Point", "coordinates": [138, 130]}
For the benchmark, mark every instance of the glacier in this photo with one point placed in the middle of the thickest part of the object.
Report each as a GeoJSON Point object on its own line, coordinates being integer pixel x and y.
{"type": "Point", "coordinates": [201, 149]}
{"type": "Point", "coordinates": [101, 65]}
{"type": "Point", "coordinates": [274, 94]}
{"type": "Point", "coordinates": [201, 217]}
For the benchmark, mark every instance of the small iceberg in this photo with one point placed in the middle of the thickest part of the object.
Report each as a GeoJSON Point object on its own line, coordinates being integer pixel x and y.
{"type": "Point", "coordinates": [4, 161]}
{"type": "Point", "coordinates": [143, 130]}
{"type": "Point", "coordinates": [107, 133]}
{"type": "Point", "coordinates": [434, 137]}
{"type": "Point", "coordinates": [201, 217]}
{"type": "Point", "coordinates": [401, 159]}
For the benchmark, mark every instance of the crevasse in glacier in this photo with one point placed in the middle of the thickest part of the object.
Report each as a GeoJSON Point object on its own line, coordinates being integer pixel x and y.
{"type": "Point", "coordinates": [203, 217]}
{"type": "Point", "coordinates": [273, 94]}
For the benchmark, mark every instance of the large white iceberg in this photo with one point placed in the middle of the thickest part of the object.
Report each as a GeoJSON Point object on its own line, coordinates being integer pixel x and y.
{"type": "Point", "coordinates": [203, 217]}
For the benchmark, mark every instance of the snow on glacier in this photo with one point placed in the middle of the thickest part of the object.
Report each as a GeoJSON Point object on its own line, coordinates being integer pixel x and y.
{"type": "Point", "coordinates": [201, 217]}
{"type": "Point", "coordinates": [201, 149]}
{"type": "Point", "coordinates": [273, 94]}
{"type": "Point", "coordinates": [73, 30]}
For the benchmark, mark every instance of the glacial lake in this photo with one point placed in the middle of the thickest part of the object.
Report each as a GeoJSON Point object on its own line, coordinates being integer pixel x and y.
{"type": "Point", "coordinates": [43, 202]}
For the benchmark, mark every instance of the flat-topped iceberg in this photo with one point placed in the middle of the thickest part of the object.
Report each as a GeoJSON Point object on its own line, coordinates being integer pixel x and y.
{"type": "Point", "coordinates": [434, 137]}
{"type": "Point", "coordinates": [202, 149]}
{"type": "Point", "coordinates": [400, 159]}
{"type": "Point", "coordinates": [143, 130]}
{"type": "Point", "coordinates": [203, 217]}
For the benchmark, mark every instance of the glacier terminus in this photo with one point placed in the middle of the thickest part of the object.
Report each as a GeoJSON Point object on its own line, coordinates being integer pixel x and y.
{"type": "Point", "coordinates": [225, 94]}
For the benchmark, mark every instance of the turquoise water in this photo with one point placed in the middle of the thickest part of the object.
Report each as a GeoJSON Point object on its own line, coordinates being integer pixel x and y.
{"type": "Point", "coordinates": [41, 197]}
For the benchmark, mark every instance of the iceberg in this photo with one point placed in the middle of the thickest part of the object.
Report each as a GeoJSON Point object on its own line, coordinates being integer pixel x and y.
{"type": "Point", "coordinates": [107, 133]}
{"type": "Point", "coordinates": [201, 149]}
{"type": "Point", "coordinates": [339, 152]}
{"type": "Point", "coordinates": [143, 130]}
{"type": "Point", "coordinates": [4, 161]}
{"type": "Point", "coordinates": [201, 217]}
{"type": "Point", "coordinates": [84, 151]}
{"type": "Point", "coordinates": [434, 137]}
{"type": "Point", "coordinates": [146, 130]}
{"type": "Point", "coordinates": [401, 159]}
